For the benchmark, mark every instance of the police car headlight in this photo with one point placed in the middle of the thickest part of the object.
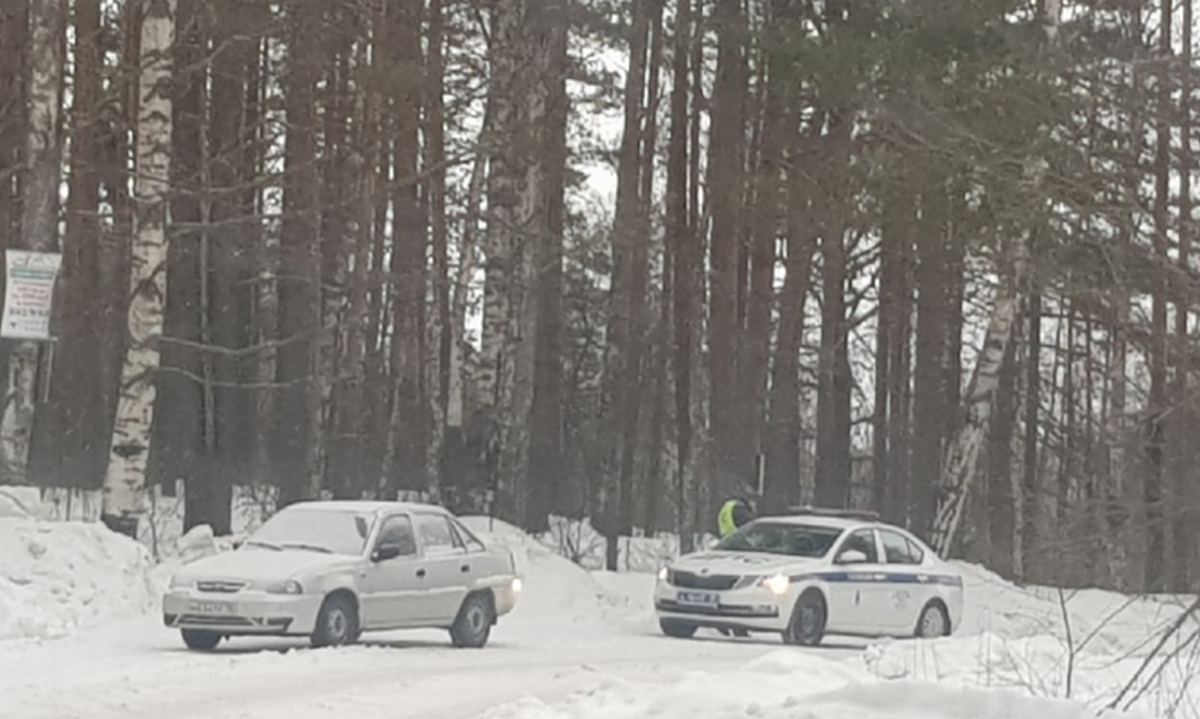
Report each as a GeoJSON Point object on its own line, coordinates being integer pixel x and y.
{"type": "Point", "coordinates": [777, 584]}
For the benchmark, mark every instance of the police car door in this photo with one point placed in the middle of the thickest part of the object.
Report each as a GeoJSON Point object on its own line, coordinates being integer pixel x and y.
{"type": "Point", "coordinates": [854, 584]}
{"type": "Point", "coordinates": [908, 587]}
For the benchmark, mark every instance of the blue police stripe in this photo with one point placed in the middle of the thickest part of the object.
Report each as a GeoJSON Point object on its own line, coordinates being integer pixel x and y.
{"type": "Point", "coordinates": [881, 578]}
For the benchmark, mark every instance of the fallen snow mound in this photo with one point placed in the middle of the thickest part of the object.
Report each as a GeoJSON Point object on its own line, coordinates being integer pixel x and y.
{"type": "Point", "coordinates": [557, 590]}
{"type": "Point", "coordinates": [793, 685]}
{"type": "Point", "coordinates": [56, 577]}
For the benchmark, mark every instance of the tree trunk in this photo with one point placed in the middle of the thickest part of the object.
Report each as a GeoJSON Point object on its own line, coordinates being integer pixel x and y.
{"type": "Point", "coordinates": [929, 406]}
{"type": "Point", "coordinates": [1184, 526]}
{"type": "Point", "coordinates": [517, 201]}
{"type": "Point", "coordinates": [684, 270]}
{"type": "Point", "coordinates": [404, 466]}
{"type": "Point", "coordinates": [435, 129]}
{"type": "Point", "coordinates": [962, 453]}
{"type": "Point", "coordinates": [39, 220]}
{"type": "Point", "coordinates": [546, 412]}
{"type": "Point", "coordinates": [724, 190]}
{"type": "Point", "coordinates": [126, 475]}
{"type": "Point", "coordinates": [782, 480]}
{"type": "Point", "coordinates": [1157, 554]}
{"type": "Point", "coordinates": [297, 440]}
{"type": "Point", "coordinates": [832, 488]}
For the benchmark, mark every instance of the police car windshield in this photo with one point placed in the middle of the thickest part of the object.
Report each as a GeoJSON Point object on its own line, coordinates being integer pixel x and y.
{"type": "Point", "coordinates": [794, 540]}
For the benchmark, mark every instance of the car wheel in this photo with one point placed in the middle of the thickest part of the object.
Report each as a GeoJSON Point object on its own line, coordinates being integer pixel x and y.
{"type": "Point", "coordinates": [337, 622]}
{"type": "Point", "coordinates": [474, 623]}
{"type": "Point", "coordinates": [933, 622]}
{"type": "Point", "coordinates": [200, 640]}
{"type": "Point", "coordinates": [677, 629]}
{"type": "Point", "coordinates": [807, 625]}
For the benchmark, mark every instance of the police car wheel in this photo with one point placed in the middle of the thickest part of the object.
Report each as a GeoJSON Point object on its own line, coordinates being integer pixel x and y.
{"type": "Point", "coordinates": [933, 622]}
{"type": "Point", "coordinates": [807, 626]}
{"type": "Point", "coordinates": [677, 629]}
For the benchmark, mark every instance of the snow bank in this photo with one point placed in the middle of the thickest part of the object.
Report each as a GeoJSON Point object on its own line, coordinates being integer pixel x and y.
{"type": "Point", "coordinates": [1086, 644]}
{"type": "Point", "coordinates": [56, 577]}
{"type": "Point", "coordinates": [556, 590]}
{"type": "Point", "coordinates": [793, 685]}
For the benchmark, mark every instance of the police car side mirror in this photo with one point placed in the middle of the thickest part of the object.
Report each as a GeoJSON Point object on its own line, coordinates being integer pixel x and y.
{"type": "Point", "coordinates": [852, 556]}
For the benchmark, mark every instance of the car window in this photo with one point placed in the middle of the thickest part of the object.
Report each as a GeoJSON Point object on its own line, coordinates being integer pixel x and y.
{"type": "Point", "coordinates": [863, 541]}
{"type": "Point", "coordinates": [464, 537]}
{"type": "Point", "coordinates": [795, 540]}
{"type": "Point", "coordinates": [297, 527]}
{"type": "Point", "coordinates": [397, 531]}
{"type": "Point", "coordinates": [898, 549]}
{"type": "Point", "coordinates": [436, 533]}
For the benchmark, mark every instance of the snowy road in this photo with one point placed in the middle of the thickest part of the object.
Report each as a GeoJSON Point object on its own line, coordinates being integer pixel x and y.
{"type": "Point", "coordinates": [139, 669]}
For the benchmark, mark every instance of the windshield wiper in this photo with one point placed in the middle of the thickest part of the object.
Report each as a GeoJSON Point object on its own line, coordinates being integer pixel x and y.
{"type": "Point", "coordinates": [306, 545]}
{"type": "Point", "coordinates": [264, 543]}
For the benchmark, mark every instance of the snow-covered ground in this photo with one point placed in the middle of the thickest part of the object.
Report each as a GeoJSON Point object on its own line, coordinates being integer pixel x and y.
{"type": "Point", "coordinates": [80, 636]}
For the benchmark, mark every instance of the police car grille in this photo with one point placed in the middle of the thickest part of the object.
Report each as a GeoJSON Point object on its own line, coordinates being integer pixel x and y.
{"type": "Point", "coordinates": [691, 580]}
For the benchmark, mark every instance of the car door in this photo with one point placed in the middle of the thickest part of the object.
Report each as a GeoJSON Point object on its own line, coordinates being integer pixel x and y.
{"type": "Point", "coordinates": [907, 589]}
{"type": "Point", "coordinates": [854, 585]}
{"type": "Point", "coordinates": [448, 564]}
{"type": "Point", "coordinates": [396, 592]}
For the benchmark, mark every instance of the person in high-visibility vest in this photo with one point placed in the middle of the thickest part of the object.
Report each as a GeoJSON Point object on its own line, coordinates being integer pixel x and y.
{"type": "Point", "coordinates": [733, 515]}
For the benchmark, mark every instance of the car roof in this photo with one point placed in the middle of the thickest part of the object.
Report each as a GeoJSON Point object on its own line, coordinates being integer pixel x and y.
{"type": "Point", "coordinates": [368, 506]}
{"type": "Point", "coordinates": [813, 520]}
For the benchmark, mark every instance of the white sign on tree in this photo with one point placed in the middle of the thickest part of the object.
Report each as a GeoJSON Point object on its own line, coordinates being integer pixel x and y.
{"type": "Point", "coordinates": [29, 294]}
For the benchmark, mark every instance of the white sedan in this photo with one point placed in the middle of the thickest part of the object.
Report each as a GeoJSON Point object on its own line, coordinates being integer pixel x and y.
{"type": "Point", "coordinates": [331, 570]}
{"type": "Point", "coordinates": [812, 574]}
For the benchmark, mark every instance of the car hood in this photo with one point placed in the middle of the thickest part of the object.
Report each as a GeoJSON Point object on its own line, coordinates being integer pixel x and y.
{"type": "Point", "coordinates": [250, 564]}
{"type": "Point", "coordinates": [743, 563]}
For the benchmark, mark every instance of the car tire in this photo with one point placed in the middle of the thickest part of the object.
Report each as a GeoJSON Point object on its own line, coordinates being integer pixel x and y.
{"type": "Point", "coordinates": [807, 625]}
{"type": "Point", "coordinates": [933, 622]}
{"type": "Point", "coordinates": [337, 622]}
{"type": "Point", "coordinates": [200, 640]}
{"type": "Point", "coordinates": [676, 629]}
{"type": "Point", "coordinates": [473, 625]}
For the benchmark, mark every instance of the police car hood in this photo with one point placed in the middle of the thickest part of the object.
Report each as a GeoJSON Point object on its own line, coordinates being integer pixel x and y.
{"type": "Point", "coordinates": [743, 563]}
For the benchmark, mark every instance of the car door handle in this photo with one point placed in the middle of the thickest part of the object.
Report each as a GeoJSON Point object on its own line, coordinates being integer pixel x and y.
{"type": "Point", "coordinates": [421, 573]}
{"type": "Point", "coordinates": [466, 567]}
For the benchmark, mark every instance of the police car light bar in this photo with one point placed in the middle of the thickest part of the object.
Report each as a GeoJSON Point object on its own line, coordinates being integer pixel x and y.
{"type": "Point", "coordinates": [864, 514]}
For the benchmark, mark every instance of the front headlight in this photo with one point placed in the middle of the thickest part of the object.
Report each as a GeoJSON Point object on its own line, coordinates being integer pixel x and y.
{"type": "Point", "coordinates": [516, 585]}
{"type": "Point", "coordinates": [777, 584]}
{"type": "Point", "coordinates": [291, 586]}
{"type": "Point", "coordinates": [178, 582]}
{"type": "Point", "coordinates": [663, 574]}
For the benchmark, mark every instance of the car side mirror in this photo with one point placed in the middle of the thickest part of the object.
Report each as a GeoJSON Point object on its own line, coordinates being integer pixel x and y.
{"type": "Point", "coordinates": [385, 552]}
{"type": "Point", "coordinates": [852, 556]}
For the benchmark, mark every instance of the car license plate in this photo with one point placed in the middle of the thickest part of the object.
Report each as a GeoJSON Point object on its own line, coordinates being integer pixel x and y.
{"type": "Point", "coordinates": [216, 609]}
{"type": "Point", "coordinates": [698, 599]}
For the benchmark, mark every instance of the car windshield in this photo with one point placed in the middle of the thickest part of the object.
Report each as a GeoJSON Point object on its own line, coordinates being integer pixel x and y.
{"type": "Point", "coordinates": [794, 540]}
{"type": "Point", "coordinates": [334, 532]}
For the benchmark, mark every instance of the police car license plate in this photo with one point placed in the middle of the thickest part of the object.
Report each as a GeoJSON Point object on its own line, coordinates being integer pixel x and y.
{"type": "Point", "coordinates": [217, 609]}
{"type": "Point", "coordinates": [698, 599]}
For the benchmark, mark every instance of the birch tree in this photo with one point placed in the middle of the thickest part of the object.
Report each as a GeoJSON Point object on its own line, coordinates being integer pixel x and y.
{"type": "Point", "coordinates": [962, 453]}
{"type": "Point", "coordinates": [39, 217]}
{"type": "Point", "coordinates": [126, 475]}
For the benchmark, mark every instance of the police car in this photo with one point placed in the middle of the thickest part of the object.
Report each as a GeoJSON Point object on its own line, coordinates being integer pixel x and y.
{"type": "Point", "coordinates": [812, 573]}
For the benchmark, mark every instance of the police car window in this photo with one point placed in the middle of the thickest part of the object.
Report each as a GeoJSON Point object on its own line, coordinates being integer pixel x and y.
{"type": "Point", "coordinates": [862, 541]}
{"type": "Point", "coordinates": [897, 549]}
{"type": "Point", "coordinates": [436, 533]}
{"type": "Point", "coordinates": [795, 540]}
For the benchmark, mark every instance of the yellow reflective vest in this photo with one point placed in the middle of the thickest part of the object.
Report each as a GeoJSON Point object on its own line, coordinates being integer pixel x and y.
{"type": "Point", "coordinates": [725, 524]}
